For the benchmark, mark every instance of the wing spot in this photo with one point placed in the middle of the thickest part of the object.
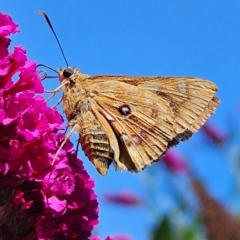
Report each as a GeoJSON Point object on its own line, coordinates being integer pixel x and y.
{"type": "Point", "coordinates": [136, 139]}
{"type": "Point", "coordinates": [182, 86]}
{"type": "Point", "coordinates": [95, 92]}
{"type": "Point", "coordinates": [125, 139]}
{"type": "Point", "coordinates": [162, 94]}
{"type": "Point", "coordinates": [143, 134]}
{"type": "Point", "coordinates": [174, 107]}
{"type": "Point", "coordinates": [109, 117]}
{"type": "Point", "coordinates": [154, 113]}
{"type": "Point", "coordinates": [124, 109]}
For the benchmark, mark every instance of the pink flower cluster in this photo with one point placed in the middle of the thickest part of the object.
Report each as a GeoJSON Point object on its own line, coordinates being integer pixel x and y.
{"type": "Point", "coordinates": [39, 198]}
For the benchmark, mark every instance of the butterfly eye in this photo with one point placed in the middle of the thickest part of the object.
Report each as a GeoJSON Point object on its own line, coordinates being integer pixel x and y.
{"type": "Point", "coordinates": [68, 72]}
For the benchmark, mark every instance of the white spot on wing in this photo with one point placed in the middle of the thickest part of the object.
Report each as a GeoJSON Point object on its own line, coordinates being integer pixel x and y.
{"type": "Point", "coordinates": [136, 139]}
{"type": "Point", "coordinates": [109, 117]}
{"type": "Point", "coordinates": [125, 109]}
{"type": "Point", "coordinates": [182, 86]}
{"type": "Point", "coordinates": [125, 139]}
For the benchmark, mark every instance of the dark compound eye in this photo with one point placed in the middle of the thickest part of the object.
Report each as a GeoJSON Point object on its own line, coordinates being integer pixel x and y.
{"type": "Point", "coordinates": [68, 72]}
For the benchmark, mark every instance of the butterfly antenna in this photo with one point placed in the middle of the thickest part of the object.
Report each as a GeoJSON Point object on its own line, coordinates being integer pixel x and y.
{"type": "Point", "coordinates": [43, 65]}
{"type": "Point", "coordinates": [51, 27]}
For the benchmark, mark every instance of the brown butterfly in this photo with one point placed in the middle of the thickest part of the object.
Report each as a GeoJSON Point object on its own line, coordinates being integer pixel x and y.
{"type": "Point", "coordinates": [132, 121]}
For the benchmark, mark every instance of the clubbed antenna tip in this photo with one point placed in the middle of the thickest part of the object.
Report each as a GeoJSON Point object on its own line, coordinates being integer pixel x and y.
{"type": "Point", "coordinates": [51, 27]}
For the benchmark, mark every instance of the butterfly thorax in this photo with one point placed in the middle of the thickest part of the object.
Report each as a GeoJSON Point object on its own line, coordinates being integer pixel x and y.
{"type": "Point", "coordinates": [75, 92]}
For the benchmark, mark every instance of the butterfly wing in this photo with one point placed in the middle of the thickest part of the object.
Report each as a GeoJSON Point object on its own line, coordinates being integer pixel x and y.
{"type": "Point", "coordinates": [192, 101]}
{"type": "Point", "coordinates": [141, 120]}
{"type": "Point", "coordinates": [151, 114]}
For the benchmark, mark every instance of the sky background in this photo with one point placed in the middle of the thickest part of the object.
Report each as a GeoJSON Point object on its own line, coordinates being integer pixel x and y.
{"type": "Point", "coordinates": [139, 37]}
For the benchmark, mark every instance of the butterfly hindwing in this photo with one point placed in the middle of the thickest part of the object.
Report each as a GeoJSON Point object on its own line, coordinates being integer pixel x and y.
{"type": "Point", "coordinates": [141, 121]}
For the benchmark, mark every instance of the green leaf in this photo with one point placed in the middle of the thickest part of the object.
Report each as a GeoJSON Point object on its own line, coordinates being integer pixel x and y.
{"type": "Point", "coordinates": [163, 230]}
{"type": "Point", "coordinates": [189, 234]}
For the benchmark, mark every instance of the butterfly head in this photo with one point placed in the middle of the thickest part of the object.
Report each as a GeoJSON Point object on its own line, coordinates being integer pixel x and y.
{"type": "Point", "coordinates": [67, 73]}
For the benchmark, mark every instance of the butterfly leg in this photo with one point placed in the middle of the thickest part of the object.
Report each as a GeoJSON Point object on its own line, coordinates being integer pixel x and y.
{"type": "Point", "coordinates": [55, 91]}
{"type": "Point", "coordinates": [59, 101]}
{"type": "Point", "coordinates": [77, 148]}
{"type": "Point", "coordinates": [63, 142]}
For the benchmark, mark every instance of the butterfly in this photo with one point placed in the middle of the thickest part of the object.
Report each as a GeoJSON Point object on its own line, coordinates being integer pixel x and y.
{"type": "Point", "coordinates": [132, 121]}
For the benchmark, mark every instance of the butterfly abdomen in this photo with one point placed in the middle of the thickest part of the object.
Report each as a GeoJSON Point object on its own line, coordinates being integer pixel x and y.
{"type": "Point", "coordinates": [97, 148]}
{"type": "Point", "coordinates": [93, 138]}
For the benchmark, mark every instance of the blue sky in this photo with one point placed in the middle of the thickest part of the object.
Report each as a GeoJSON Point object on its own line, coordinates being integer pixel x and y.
{"type": "Point", "coordinates": [137, 37]}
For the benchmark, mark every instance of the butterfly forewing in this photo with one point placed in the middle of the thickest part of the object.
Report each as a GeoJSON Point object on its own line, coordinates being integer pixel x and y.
{"type": "Point", "coordinates": [192, 100]}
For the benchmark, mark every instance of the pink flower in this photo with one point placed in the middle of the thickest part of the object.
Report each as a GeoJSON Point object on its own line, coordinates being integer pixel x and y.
{"type": "Point", "coordinates": [175, 161]}
{"type": "Point", "coordinates": [124, 198]}
{"type": "Point", "coordinates": [213, 133]}
{"type": "Point", "coordinates": [40, 199]}
{"type": "Point", "coordinates": [7, 26]}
